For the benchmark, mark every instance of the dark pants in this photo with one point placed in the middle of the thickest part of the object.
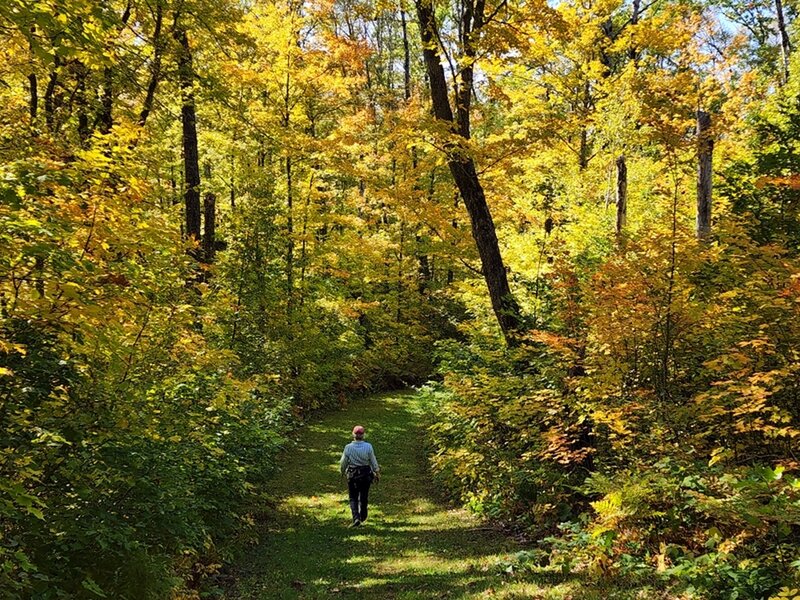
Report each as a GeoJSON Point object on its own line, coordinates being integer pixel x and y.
{"type": "Point", "coordinates": [359, 493]}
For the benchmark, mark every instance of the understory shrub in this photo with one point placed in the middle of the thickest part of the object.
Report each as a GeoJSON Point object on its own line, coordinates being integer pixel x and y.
{"type": "Point", "coordinates": [647, 426]}
{"type": "Point", "coordinates": [125, 499]}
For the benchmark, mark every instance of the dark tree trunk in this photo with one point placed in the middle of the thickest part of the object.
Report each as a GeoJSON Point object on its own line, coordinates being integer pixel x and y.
{"type": "Point", "coordinates": [289, 241]}
{"type": "Point", "coordinates": [50, 95]}
{"type": "Point", "coordinates": [209, 227]}
{"type": "Point", "coordinates": [33, 86]}
{"type": "Point", "coordinates": [106, 116]}
{"type": "Point", "coordinates": [400, 287]}
{"type": "Point", "coordinates": [454, 223]}
{"type": "Point", "coordinates": [406, 58]}
{"type": "Point", "coordinates": [126, 14]}
{"type": "Point", "coordinates": [304, 241]}
{"type": "Point", "coordinates": [39, 267]}
{"type": "Point", "coordinates": [633, 52]}
{"type": "Point", "coordinates": [705, 150]}
{"type": "Point", "coordinates": [80, 100]}
{"type": "Point", "coordinates": [155, 68]}
{"type": "Point", "coordinates": [585, 149]}
{"type": "Point", "coordinates": [191, 164]}
{"type": "Point", "coordinates": [462, 166]}
{"type": "Point", "coordinates": [289, 202]}
{"type": "Point", "coordinates": [424, 269]}
{"type": "Point", "coordinates": [233, 178]}
{"type": "Point", "coordinates": [261, 157]}
{"type": "Point", "coordinates": [786, 45]}
{"type": "Point", "coordinates": [622, 195]}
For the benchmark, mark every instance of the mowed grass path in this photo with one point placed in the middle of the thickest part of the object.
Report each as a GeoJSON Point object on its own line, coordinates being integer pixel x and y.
{"type": "Point", "coordinates": [412, 546]}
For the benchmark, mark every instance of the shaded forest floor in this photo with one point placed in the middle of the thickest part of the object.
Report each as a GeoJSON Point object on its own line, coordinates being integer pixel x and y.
{"type": "Point", "coordinates": [412, 546]}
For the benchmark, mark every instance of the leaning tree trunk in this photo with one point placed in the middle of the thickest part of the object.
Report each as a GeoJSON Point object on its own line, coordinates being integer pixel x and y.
{"type": "Point", "coordinates": [462, 166]}
{"type": "Point", "coordinates": [705, 150]}
{"type": "Point", "coordinates": [191, 162]}
{"type": "Point", "coordinates": [155, 66]}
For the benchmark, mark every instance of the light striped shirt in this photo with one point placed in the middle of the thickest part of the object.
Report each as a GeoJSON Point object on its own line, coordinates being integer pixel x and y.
{"type": "Point", "coordinates": [358, 454]}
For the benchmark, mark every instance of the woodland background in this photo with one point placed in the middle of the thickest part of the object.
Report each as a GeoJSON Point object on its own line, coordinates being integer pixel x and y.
{"type": "Point", "coordinates": [217, 217]}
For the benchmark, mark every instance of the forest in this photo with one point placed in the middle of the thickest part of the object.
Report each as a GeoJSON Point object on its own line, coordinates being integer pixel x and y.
{"type": "Point", "coordinates": [572, 226]}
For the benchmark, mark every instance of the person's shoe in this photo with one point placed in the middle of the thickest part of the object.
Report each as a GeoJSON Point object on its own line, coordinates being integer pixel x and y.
{"type": "Point", "coordinates": [355, 523]}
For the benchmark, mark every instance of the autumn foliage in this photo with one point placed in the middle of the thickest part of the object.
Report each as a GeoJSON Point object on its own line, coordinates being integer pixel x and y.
{"type": "Point", "coordinates": [603, 375]}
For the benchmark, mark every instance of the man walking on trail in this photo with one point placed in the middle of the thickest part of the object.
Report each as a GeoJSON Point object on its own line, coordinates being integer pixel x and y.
{"type": "Point", "coordinates": [360, 466]}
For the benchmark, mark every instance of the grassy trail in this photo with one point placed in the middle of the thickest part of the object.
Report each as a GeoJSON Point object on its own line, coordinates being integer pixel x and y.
{"type": "Point", "coordinates": [411, 547]}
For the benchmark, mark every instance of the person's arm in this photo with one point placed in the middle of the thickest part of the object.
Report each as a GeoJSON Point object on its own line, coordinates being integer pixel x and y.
{"type": "Point", "coordinates": [373, 461]}
{"type": "Point", "coordinates": [343, 461]}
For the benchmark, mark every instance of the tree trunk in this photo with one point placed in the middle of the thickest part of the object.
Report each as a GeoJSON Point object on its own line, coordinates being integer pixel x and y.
{"type": "Point", "coordinates": [633, 52]}
{"type": "Point", "coordinates": [424, 274]}
{"type": "Point", "coordinates": [450, 273]}
{"type": "Point", "coordinates": [106, 117]}
{"type": "Point", "coordinates": [233, 178]}
{"type": "Point", "coordinates": [423, 270]}
{"type": "Point", "coordinates": [209, 227]}
{"type": "Point", "coordinates": [462, 166]}
{"type": "Point", "coordinates": [39, 268]}
{"type": "Point", "coordinates": [289, 241]}
{"type": "Point", "coordinates": [33, 85]}
{"type": "Point", "coordinates": [155, 69]}
{"type": "Point", "coordinates": [191, 164]}
{"type": "Point", "coordinates": [304, 240]}
{"type": "Point", "coordinates": [622, 195]}
{"type": "Point", "coordinates": [289, 198]}
{"type": "Point", "coordinates": [585, 149]}
{"type": "Point", "coordinates": [50, 95]}
{"type": "Point", "coordinates": [786, 45]}
{"type": "Point", "coordinates": [399, 312]}
{"type": "Point", "coordinates": [406, 58]}
{"type": "Point", "coordinates": [705, 150]}
{"type": "Point", "coordinates": [80, 101]}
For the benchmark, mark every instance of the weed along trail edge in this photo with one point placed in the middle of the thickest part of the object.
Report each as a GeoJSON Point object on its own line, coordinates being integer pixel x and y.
{"type": "Point", "coordinates": [412, 546]}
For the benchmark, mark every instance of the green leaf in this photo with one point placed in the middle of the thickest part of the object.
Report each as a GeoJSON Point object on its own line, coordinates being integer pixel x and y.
{"type": "Point", "coordinates": [91, 585]}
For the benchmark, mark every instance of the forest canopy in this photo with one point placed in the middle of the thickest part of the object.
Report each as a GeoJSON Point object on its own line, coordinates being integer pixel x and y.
{"type": "Point", "coordinates": [577, 221]}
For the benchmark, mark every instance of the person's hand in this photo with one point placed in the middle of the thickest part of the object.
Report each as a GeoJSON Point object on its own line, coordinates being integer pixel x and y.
{"type": "Point", "coordinates": [377, 475]}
